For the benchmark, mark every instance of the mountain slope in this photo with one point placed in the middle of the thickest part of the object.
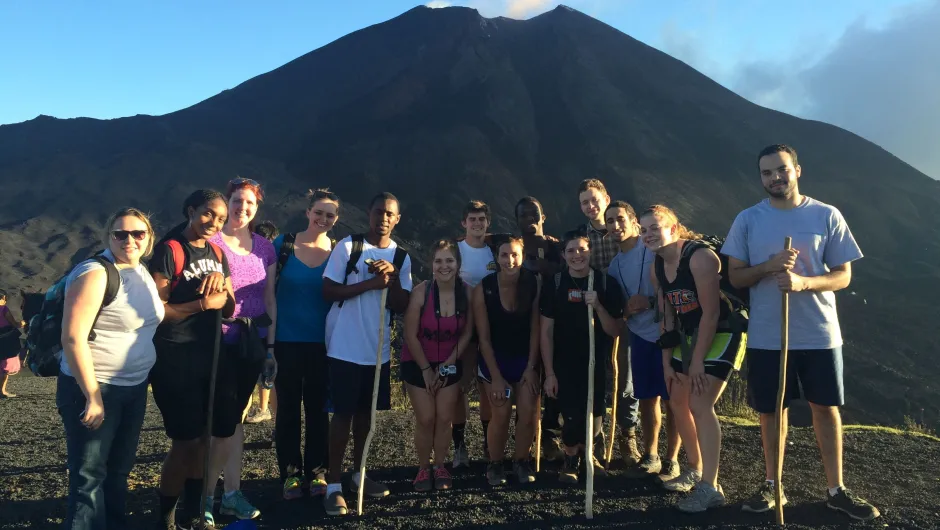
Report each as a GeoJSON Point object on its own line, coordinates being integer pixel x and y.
{"type": "Point", "coordinates": [441, 105]}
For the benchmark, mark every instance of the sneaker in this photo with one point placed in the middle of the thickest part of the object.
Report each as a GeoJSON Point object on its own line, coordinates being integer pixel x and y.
{"type": "Point", "coordinates": [703, 497]}
{"type": "Point", "coordinates": [461, 456]}
{"type": "Point", "coordinates": [569, 470]}
{"type": "Point", "coordinates": [318, 485]}
{"type": "Point", "coordinates": [259, 416]}
{"type": "Point", "coordinates": [683, 482]}
{"type": "Point", "coordinates": [422, 482]}
{"type": "Point", "coordinates": [334, 504]}
{"type": "Point", "coordinates": [293, 489]}
{"type": "Point", "coordinates": [442, 478]}
{"type": "Point", "coordinates": [763, 500]}
{"type": "Point", "coordinates": [852, 505]}
{"type": "Point", "coordinates": [650, 465]}
{"type": "Point", "coordinates": [495, 475]}
{"type": "Point", "coordinates": [374, 489]}
{"type": "Point", "coordinates": [523, 471]}
{"type": "Point", "coordinates": [669, 471]}
{"type": "Point", "coordinates": [236, 504]}
{"type": "Point", "coordinates": [628, 449]}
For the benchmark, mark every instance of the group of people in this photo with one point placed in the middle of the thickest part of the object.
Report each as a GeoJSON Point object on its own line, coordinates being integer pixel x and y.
{"type": "Point", "coordinates": [508, 313]}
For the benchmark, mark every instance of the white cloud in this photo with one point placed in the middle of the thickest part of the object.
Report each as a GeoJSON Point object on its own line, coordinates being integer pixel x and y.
{"type": "Point", "coordinates": [436, 4]}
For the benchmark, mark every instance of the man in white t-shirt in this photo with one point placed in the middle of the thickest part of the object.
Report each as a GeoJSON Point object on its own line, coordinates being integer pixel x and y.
{"type": "Point", "coordinates": [476, 262]}
{"type": "Point", "coordinates": [818, 264]}
{"type": "Point", "coordinates": [352, 339]}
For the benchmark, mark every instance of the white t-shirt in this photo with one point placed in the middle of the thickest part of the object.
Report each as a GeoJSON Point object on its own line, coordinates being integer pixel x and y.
{"type": "Point", "coordinates": [475, 263]}
{"type": "Point", "coordinates": [123, 352]}
{"type": "Point", "coordinates": [352, 330]}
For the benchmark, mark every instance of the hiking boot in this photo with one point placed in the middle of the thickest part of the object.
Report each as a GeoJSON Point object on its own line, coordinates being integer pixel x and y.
{"type": "Point", "coordinates": [703, 497]}
{"type": "Point", "coordinates": [335, 504]}
{"type": "Point", "coordinates": [670, 470]}
{"type": "Point", "coordinates": [599, 470]}
{"type": "Point", "coordinates": [461, 456]}
{"type": "Point", "coordinates": [684, 481]}
{"type": "Point", "coordinates": [293, 489]}
{"type": "Point", "coordinates": [374, 489]}
{"type": "Point", "coordinates": [852, 505]}
{"type": "Point", "coordinates": [422, 482]}
{"type": "Point", "coordinates": [259, 416]}
{"type": "Point", "coordinates": [628, 449]}
{"type": "Point", "coordinates": [763, 500]}
{"type": "Point", "coordinates": [495, 475]}
{"type": "Point", "coordinates": [650, 465]}
{"type": "Point", "coordinates": [236, 504]}
{"type": "Point", "coordinates": [523, 471]}
{"type": "Point", "coordinates": [318, 485]}
{"type": "Point", "coordinates": [442, 478]}
{"type": "Point", "coordinates": [569, 470]}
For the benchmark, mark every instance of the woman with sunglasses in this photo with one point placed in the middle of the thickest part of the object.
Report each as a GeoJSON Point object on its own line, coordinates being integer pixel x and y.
{"type": "Point", "coordinates": [192, 277]}
{"type": "Point", "coordinates": [301, 350]}
{"type": "Point", "coordinates": [101, 390]}
{"type": "Point", "coordinates": [247, 340]}
{"type": "Point", "coordinates": [505, 310]}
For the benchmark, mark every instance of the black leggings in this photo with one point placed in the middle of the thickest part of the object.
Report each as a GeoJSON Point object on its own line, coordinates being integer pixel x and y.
{"type": "Point", "coordinates": [301, 376]}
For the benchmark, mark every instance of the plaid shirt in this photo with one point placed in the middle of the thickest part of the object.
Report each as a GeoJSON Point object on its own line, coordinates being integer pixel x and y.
{"type": "Point", "coordinates": [603, 249]}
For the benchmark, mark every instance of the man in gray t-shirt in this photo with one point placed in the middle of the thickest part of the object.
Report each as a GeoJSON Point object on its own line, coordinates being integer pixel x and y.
{"type": "Point", "coordinates": [817, 265]}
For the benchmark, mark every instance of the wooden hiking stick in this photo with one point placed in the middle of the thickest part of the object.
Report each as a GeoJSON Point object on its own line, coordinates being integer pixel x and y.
{"type": "Point", "coordinates": [207, 488]}
{"type": "Point", "coordinates": [589, 430]}
{"type": "Point", "coordinates": [538, 411]}
{"type": "Point", "coordinates": [781, 392]}
{"type": "Point", "coordinates": [613, 413]}
{"type": "Point", "coordinates": [375, 397]}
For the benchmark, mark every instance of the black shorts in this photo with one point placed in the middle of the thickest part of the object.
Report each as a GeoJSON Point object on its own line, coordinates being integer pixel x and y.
{"type": "Point", "coordinates": [817, 372]}
{"type": "Point", "coordinates": [180, 383]}
{"type": "Point", "coordinates": [351, 387]}
{"type": "Point", "coordinates": [410, 372]}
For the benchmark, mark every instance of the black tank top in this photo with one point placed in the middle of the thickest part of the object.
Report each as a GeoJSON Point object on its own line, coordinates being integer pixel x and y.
{"type": "Point", "coordinates": [509, 332]}
{"type": "Point", "coordinates": [682, 294]}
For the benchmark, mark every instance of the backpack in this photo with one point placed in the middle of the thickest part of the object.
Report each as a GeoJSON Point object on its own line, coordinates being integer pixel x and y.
{"type": "Point", "coordinates": [738, 300]}
{"type": "Point", "coordinates": [461, 304]}
{"type": "Point", "coordinates": [286, 251]}
{"type": "Point", "coordinates": [357, 246]}
{"type": "Point", "coordinates": [179, 259]}
{"type": "Point", "coordinates": [44, 338]}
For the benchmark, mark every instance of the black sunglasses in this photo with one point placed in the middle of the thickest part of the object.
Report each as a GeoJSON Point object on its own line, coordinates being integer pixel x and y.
{"type": "Point", "coordinates": [121, 235]}
{"type": "Point", "coordinates": [241, 180]}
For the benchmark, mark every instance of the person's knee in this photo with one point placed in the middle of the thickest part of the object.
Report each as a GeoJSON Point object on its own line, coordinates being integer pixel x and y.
{"type": "Point", "coordinates": [425, 422]}
{"type": "Point", "coordinates": [701, 407]}
{"type": "Point", "coordinates": [824, 412]}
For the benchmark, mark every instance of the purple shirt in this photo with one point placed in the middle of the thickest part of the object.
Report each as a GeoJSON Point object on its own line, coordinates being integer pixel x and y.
{"type": "Point", "coordinates": [249, 277]}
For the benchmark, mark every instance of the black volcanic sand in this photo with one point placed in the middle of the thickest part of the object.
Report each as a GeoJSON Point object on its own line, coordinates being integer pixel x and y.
{"type": "Point", "coordinates": [896, 472]}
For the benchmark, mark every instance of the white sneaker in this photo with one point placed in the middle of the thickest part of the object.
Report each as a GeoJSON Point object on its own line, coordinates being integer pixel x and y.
{"type": "Point", "coordinates": [685, 481]}
{"type": "Point", "coordinates": [259, 416]}
{"type": "Point", "coordinates": [703, 497]}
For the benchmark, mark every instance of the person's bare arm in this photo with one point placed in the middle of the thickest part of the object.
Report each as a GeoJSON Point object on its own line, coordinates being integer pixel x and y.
{"type": "Point", "coordinates": [836, 279]}
{"type": "Point", "coordinates": [743, 275]}
{"type": "Point", "coordinates": [177, 312]}
{"type": "Point", "coordinates": [82, 303]}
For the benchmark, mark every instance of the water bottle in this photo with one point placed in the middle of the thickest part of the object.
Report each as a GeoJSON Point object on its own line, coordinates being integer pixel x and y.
{"type": "Point", "coordinates": [268, 372]}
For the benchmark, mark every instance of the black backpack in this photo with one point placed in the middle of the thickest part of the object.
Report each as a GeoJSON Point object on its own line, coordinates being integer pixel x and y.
{"type": "Point", "coordinates": [357, 245]}
{"type": "Point", "coordinates": [44, 339]}
{"type": "Point", "coordinates": [461, 303]}
{"type": "Point", "coordinates": [738, 300]}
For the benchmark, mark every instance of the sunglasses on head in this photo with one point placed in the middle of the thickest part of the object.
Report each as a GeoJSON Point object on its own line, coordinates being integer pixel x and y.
{"type": "Point", "coordinates": [122, 235]}
{"type": "Point", "coordinates": [241, 181]}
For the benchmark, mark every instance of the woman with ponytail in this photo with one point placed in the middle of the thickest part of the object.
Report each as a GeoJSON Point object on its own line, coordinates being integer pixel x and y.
{"type": "Point", "coordinates": [193, 281]}
{"type": "Point", "coordinates": [700, 347]}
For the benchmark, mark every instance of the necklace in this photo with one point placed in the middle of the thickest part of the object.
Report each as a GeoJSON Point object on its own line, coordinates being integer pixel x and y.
{"type": "Point", "coordinates": [576, 284]}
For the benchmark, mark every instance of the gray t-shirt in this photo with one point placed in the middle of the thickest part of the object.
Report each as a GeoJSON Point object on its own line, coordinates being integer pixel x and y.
{"type": "Point", "coordinates": [123, 351]}
{"type": "Point", "coordinates": [824, 241]}
{"type": "Point", "coordinates": [631, 270]}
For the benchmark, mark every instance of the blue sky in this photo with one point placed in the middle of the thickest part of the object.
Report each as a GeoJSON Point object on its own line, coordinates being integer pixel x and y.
{"type": "Point", "coordinates": [113, 58]}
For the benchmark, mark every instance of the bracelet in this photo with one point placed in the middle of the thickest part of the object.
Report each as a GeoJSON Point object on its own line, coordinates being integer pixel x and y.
{"type": "Point", "coordinates": [201, 307]}
{"type": "Point", "coordinates": [428, 368]}
{"type": "Point", "coordinates": [549, 375]}
{"type": "Point", "coordinates": [270, 346]}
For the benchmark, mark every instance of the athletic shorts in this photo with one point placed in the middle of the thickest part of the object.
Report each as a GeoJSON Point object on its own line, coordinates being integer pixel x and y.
{"type": "Point", "coordinates": [351, 387]}
{"type": "Point", "coordinates": [511, 368]}
{"type": "Point", "coordinates": [410, 372]}
{"type": "Point", "coordinates": [180, 383]}
{"type": "Point", "coordinates": [726, 354]}
{"type": "Point", "coordinates": [647, 362]}
{"type": "Point", "coordinates": [817, 372]}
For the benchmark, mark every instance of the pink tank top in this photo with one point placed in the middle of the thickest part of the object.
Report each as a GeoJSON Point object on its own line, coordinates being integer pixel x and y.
{"type": "Point", "coordinates": [438, 336]}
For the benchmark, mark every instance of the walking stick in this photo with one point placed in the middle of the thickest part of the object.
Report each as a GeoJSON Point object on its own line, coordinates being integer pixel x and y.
{"type": "Point", "coordinates": [210, 407]}
{"type": "Point", "coordinates": [781, 392]}
{"type": "Point", "coordinates": [613, 413]}
{"type": "Point", "coordinates": [589, 430]}
{"type": "Point", "coordinates": [375, 397]}
{"type": "Point", "coordinates": [538, 410]}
